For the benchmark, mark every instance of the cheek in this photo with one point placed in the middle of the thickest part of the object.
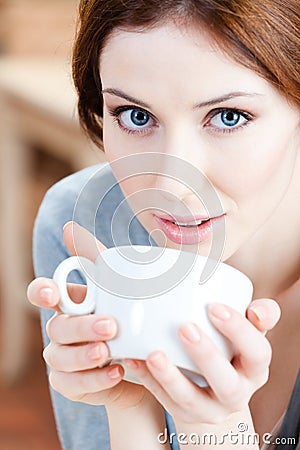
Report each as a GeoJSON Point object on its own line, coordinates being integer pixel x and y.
{"type": "Point", "coordinates": [118, 152]}
{"type": "Point", "coordinates": [118, 143]}
{"type": "Point", "coordinates": [261, 166]}
{"type": "Point", "coordinates": [133, 187]}
{"type": "Point", "coordinates": [112, 141]}
{"type": "Point", "coordinates": [139, 194]}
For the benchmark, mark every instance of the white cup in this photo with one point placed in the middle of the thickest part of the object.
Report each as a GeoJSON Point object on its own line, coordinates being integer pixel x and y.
{"type": "Point", "coordinates": [151, 291]}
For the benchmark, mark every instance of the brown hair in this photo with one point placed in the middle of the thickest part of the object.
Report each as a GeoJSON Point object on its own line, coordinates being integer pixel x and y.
{"type": "Point", "coordinates": [262, 35]}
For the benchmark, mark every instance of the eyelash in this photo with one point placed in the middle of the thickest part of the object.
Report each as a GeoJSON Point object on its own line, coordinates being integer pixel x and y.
{"type": "Point", "coordinates": [115, 113]}
{"type": "Point", "coordinates": [215, 112]}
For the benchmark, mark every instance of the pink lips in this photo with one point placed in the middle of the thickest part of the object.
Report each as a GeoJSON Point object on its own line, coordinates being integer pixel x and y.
{"type": "Point", "coordinates": [183, 234]}
{"type": "Point", "coordinates": [181, 219]}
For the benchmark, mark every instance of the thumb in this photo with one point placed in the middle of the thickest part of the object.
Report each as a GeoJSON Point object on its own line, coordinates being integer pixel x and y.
{"type": "Point", "coordinates": [80, 242]}
{"type": "Point", "coordinates": [264, 313]}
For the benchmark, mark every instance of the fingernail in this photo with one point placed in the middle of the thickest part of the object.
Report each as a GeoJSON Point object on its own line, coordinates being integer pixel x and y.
{"type": "Point", "coordinates": [66, 224]}
{"type": "Point", "coordinates": [218, 311]}
{"type": "Point", "coordinates": [190, 332]}
{"type": "Point", "coordinates": [258, 311]}
{"type": "Point", "coordinates": [46, 294]}
{"type": "Point", "coordinates": [104, 327]}
{"type": "Point", "coordinates": [157, 360]}
{"type": "Point", "coordinates": [96, 352]}
{"type": "Point", "coordinates": [114, 373]}
{"type": "Point", "coordinates": [131, 363]}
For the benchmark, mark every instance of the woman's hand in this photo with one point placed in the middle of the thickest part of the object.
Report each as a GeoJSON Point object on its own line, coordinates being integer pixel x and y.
{"type": "Point", "coordinates": [231, 383]}
{"type": "Point", "coordinates": [78, 353]}
{"type": "Point", "coordinates": [78, 349]}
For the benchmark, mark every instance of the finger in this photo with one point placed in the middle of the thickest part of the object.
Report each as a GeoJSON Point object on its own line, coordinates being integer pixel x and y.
{"type": "Point", "coordinates": [80, 242]}
{"type": "Point", "coordinates": [174, 390]}
{"type": "Point", "coordinates": [67, 358]}
{"type": "Point", "coordinates": [170, 387]}
{"type": "Point", "coordinates": [78, 385]}
{"type": "Point", "coordinates": [64, 329]}
{"type": "Point", "coordinates": [44, 293]}
{"type": "Point", "coordinates": [77, 292]}
{"type": "Point", "coordinates": [211, 363]}
{"type": "Point", "coordinates": [139, 369]}
{"type": "Point", "coordinates": [143, 373]}
{"type": "Point", "coordinates": [264, 314]}
{"type": "Point", "coordinates": [253, 351]}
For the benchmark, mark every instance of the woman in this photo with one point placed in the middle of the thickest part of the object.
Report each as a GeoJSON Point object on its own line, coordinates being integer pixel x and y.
{"type": "Point", "coordinates": [215, 83]}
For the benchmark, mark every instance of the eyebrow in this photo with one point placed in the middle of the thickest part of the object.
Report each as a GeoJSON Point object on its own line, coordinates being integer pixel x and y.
{"type": "Point", "coordinates": [122, 94]}
{"type": "Point", "coordinates": [226, 97]}
{"type": "Point", "coordinates": [217, 100]}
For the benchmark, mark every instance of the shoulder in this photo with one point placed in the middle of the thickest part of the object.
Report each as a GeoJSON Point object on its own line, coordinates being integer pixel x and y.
{"type": "Point", "coordinates": [56, 209]}
{"type": "Point", "coordinates": [87, 183]}
{"type": "Point", "coordinates": [78, 197]}
{"type": "Point", "coordinates": [91, 197]}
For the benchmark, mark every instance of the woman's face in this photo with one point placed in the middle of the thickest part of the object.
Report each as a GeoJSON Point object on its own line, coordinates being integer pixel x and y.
{"type": "Point", "coordinates": [171, 92]}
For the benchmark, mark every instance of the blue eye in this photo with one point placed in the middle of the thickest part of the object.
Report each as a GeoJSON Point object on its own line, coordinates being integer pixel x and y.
{"type": "Point", "coordinates": [135, 119]}
{"type": "Point", "coordinates": [138, 117]}
{"type": "Point", "coordinates": [229, 119]}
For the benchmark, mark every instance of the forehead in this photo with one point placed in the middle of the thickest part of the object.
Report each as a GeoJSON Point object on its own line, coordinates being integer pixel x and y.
{"type": "Point", "coordinates": [174, 58]}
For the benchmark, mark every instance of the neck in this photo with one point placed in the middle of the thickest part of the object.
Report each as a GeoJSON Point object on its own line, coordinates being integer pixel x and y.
{"type": "Point", "coordinates": [270, 273]}
{"type": "Point", "coordinates": [273, 265]}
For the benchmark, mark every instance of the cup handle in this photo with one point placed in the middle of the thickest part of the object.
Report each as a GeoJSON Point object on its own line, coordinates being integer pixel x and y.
{"type": "Point", "coordinates": [87, 268]}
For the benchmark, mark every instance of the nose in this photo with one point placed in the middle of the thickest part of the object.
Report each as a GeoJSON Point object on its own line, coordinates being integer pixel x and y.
{"type": "Point", "coordinates": [182, 164]}
{"type": "Point", "coordinates": [180, 182]}
{"type": "Point", "coordinates": [172, 180]}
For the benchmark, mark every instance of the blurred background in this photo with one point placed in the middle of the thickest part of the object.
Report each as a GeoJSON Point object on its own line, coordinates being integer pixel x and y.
{"type": "Point", "coordinates": [40, 143]}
